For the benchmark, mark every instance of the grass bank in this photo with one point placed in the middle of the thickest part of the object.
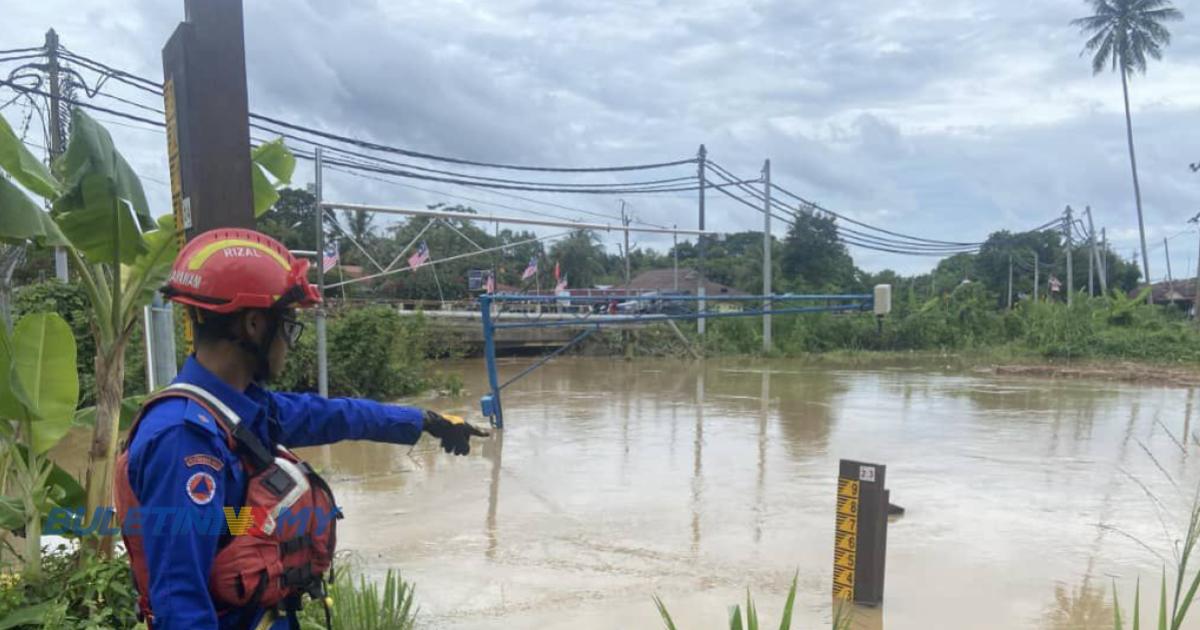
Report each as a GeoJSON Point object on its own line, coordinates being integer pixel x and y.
{"type": "Point", "coordinates": [1113, 337]}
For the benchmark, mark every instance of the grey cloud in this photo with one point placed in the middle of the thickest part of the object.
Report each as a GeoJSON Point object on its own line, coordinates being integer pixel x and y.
{"type": "Point", "coordinates": [861, 105]}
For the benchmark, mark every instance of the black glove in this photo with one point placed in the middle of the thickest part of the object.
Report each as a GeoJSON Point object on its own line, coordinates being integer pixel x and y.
{"type": "Point", "coordinates": [454, 432]}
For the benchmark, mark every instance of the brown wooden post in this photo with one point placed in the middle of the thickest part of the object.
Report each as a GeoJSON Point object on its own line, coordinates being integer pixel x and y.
{"type": "Point", "coordinates": [208, 134]}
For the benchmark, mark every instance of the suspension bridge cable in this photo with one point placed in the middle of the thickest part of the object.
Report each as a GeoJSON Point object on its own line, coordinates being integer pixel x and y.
{"type": "Point", "coordinates": [452, 258]}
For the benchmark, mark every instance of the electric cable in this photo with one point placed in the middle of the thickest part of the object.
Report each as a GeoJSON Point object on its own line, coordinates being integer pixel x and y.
{"type": "Point", "coordinates": [857, 236]}
{"type": "Point", "coordinates": [914, 242]}
{"type": "Point", "coordinates": [40, 49]}
{"type": "Point", "coordinates": [77, 103]}
{"type": "Point", "coordinates": [156, 88]}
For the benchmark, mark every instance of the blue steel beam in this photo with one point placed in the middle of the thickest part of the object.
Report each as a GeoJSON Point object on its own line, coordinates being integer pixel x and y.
{"type": "Point", "coordinates": [662, 317]}
{"type": "Point", "coordinates": [491, 405]}
{"type": "Point", "coordinates": [511, 297]}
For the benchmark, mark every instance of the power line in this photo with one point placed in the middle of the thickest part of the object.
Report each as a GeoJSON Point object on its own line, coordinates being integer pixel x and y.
{"type": "Point", "coordinates": [429, 156]}
{"type": "Point", "coordinates": [452, 195]}
{"type": "Point", "coordinates": [851, 235]}
{"type": "Point", "coordinates": [71, 101]}
{"type": "Point", "coordinates": [375, 161]}
{"type": "Point", "coordinates": [40, 49]}
{"type": "Point", "coordinates": [851, 239]}
{"type": "Point", "coordinates": [156, 88]}
{"type": "Point", "coordinates": [915, 243]}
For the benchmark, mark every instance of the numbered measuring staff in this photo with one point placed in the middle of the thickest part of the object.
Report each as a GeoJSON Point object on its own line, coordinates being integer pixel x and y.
{"type": "Point", "coordinates": [860, 533]}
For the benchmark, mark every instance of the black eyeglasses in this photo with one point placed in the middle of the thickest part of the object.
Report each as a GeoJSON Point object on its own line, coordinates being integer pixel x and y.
{"type": "Point", "coordinates": [291, 329]}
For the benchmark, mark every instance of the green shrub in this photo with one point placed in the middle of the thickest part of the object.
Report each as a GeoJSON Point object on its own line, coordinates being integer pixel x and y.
{"type": "Point", "coordinates": [376, 352]}
{"type": "Point", "coordinates": [77, 590]}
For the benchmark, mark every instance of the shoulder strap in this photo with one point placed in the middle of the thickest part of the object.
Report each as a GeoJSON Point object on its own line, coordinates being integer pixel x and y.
{"type": "Point", "coordinates": [236, 433]}
{"type": "Point", "coordinates": [171, 392]}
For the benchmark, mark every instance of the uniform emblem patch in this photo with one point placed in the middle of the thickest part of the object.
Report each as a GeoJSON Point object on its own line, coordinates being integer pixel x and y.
{"type": "Point", "coordinates": [204, 459]}
{"type": "Point", "coordinates": [201, 487]}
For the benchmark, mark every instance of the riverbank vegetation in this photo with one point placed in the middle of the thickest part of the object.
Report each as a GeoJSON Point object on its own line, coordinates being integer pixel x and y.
{"type": "Point", "coordinates": [962, 326]}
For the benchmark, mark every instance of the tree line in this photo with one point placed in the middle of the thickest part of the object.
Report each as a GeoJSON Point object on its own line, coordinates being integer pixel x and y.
{"type": "Point", "coordinates": [809, 258]}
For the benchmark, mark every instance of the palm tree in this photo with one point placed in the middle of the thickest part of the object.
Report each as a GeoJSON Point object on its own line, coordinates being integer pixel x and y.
{"type": "Point", "coordinates": [1122, 33]}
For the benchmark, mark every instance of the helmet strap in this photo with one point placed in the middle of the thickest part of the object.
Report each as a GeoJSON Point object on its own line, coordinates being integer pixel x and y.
{"type": "Point", "coordinates": [261, 351]}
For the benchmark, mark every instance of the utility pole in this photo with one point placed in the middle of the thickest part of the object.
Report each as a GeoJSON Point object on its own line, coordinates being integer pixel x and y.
{"type": "Point", "coordinates": [1010, 282]}
{"type": "Point", "coordinates": [1104, 259]}
{"type": "Point", "coordinates": [1196, 298]}
{"type": "Point", "coordinates": [625, 222]}
{"type": "Point", "coordinates": [1036, 268]}
{"type": "Point", "coordinates": [675, 251]}
{"type": "Point", "coordinates": [1070, 267]}
{"type": "Point", "coordinates": [766, 175]}
{"type": "Point", "coordinates": [626, 335]}
{"type": "Point", "coordinates": [1096, 254]}
{"type": "Point", "coordinates": [61, 270]}
{"type": "Point", "coordinates": [1091, 255]}
{"type": "Point", "coordinates": [701, 159]}
{"type": "Point", "coordinates": [1167, 253]}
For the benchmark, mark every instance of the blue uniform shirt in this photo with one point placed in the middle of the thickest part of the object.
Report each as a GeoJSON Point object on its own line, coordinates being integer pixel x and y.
{"type": "Point", "coordinates": [179, 460]}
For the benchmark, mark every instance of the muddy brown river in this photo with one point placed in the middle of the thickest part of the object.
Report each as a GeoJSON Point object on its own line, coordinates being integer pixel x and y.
{"type": "Point", "coordinates": [615, 481]}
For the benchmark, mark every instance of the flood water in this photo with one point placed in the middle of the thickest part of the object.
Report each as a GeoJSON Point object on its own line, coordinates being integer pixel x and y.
{"type": "Point", "coordinates": [615, 481]}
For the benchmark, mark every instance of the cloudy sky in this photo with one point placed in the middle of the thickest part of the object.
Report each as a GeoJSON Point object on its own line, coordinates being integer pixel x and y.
{"type": "Point", "coordinates": [946, 119]}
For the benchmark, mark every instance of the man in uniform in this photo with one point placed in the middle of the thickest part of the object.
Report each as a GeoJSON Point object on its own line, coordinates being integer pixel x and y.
{"type": "Point", "coordinates": [241, 289]}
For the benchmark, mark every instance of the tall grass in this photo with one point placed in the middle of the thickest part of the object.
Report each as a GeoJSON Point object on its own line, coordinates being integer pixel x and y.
{"type": "Point", "coordinates": [747, 619]}
{"type": "Point", "coordinates": [362, 605]}
{"type": "Point", "coordinates": [968, 320]}
{"type": "Point", "coordinates": [1181, 590]}
{"type": "Point", "coordinates": [1169, 617]}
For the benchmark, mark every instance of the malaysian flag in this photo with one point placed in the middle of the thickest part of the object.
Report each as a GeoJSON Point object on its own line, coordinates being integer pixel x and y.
{"type": "Point", "coordinates": [419, 258]}
{"type": "Point", "coordinates": [562, 284]}
{"type": "Point", "coordinates": [330, 258]}
{"type": "Point", "coordinates": [531, 270]}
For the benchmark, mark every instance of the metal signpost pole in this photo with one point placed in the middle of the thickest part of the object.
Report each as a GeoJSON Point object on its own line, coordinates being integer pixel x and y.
{"type": "Point", "coordinates": [322, 350]}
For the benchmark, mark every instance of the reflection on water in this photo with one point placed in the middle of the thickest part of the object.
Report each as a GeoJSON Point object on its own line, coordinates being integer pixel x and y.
{"type": "Point", "coordinates": [615, 481]}
{"type": "Point", "coordinates": [1088, 605]}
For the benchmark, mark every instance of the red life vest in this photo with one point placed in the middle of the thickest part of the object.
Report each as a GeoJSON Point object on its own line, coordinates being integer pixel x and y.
{"type": "Point", "coordinates": [272, 560]}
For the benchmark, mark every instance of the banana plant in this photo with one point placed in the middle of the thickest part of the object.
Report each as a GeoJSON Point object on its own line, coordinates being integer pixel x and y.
{"type": "Point", "coordinates": [121, 254]}
{"type": "Point", "coordinates": [39, 389]}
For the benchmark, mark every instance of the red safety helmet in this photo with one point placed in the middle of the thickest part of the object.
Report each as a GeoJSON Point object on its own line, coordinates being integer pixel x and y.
{"type": "Point", "coordinates": [230, 269]}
